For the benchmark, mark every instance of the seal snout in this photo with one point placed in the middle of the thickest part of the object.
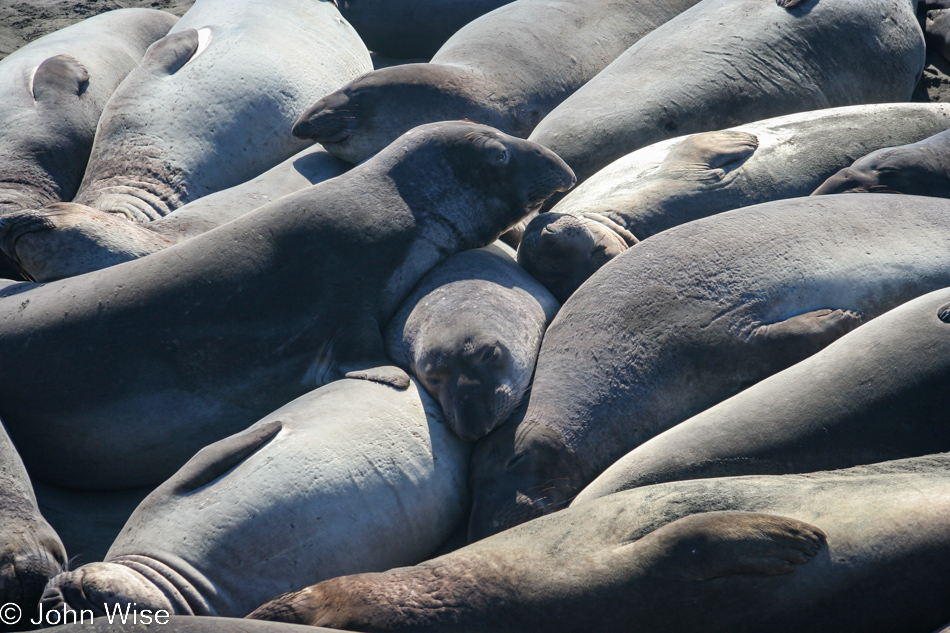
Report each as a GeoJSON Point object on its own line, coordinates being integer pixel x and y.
{"type": "Point", "coordinates": [327, 121]}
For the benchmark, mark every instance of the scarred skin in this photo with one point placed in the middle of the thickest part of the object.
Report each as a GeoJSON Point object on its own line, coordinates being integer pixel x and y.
{"type": "Point", "coordinates": [820, 552]}
{"type": "Point", "coordinates": [677, 181]}
{"type": "Point", "coordinates": [921, 169]}
{"type": "Point", "coordinates": [793, 57]}
{"type": "Point", "coordinates": [492, 71]}
{"type": "Point", "coordinates": [470, 333]}
{"type": "Point", "coordinates": [204, 338]}
{"type": "Point", "coordinates": [873, 395]}
{"type": "Point", "coordinates": [691, 316]}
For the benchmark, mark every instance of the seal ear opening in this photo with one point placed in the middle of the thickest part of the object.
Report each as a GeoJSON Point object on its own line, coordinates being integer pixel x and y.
{"type": "Point", "coordinates": [172, 52]}
{"type": "Point", "coordinates": [59, 76]}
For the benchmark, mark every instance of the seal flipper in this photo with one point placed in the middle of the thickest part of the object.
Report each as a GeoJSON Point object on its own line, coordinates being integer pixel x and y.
{"type": "Point", "coordinates": [712, 545]}
{"type": "Point", "coordinates": [713, 149]}
{"type": "Point", "coordinates": [365, 356]}
{"type": "Point", "coordinates": [810, 331]}
{"type": "Point", "coordinates": [62, 75]}
{"type": "Point", "coordinates": [171, 52]}
{"type": "Point", "coordinates": [790, 4]}
{"type": "Point", "coordinates": [216, 459]}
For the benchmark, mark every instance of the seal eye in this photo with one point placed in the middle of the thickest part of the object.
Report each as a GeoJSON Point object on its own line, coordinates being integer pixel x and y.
{"type": "Point", "coordinates": [503, 156]}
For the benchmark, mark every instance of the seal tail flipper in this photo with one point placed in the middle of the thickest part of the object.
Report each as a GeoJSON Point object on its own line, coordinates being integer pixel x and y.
{"type": "Point", "coordinates": [62, 75]}
{"type": "Point", "coordinates": [216, 459]}
{"type": "Point", "coordinates": [717, 544]}
{"type": "Point", "coordinates": [67, 239]}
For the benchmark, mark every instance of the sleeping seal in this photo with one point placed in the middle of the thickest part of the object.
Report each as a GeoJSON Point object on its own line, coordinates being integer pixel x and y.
{"type": "Point", "coordinates": [873, 395]}
{"type": "Point", "coordinates": [507, 69]}
{"type": "Point", "coordinates": [52, 92]}
{"type": "Point", "coordinates": [132, 369]}
{"type": "Point", "coordinates": [691, 316]}
{"type": "Point", "coordinates": [355, 476]}
{"type": "Point", "coordinates": [684, 179]}
{"type": "Point", "coordinates": [864, 549]}
{"type": "Point", "coordinates": [30, 551]}
{"type": "Point", "coordinates": [65, 240]}
{"type": "Point", "coordinates": [773, 59]}
{"type": "Point", "coordinates": [212, 102]}
{"type": "Point", "coordinates": [470, 333]}
{"type": "Point", "coordinates": [921, 168]}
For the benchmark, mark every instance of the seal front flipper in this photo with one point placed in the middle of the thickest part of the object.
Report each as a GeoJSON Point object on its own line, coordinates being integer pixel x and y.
{"type": "Point", "coordinates": [717, 544]}
{"type": "Point", "coordinates": [216, 459]}
{"type": "Point", "coordinates": [714, 150]}
{"type": "Point", "coordinates": [804, 334]}
{"type": "Point", "coordinates": [364, 357]}
{"type": "Point", "coordinates": [171, 52]}
{"type": "Point", "coordinates": [790, 4]}
{"type": "Point", "coordinates": [63, 75]}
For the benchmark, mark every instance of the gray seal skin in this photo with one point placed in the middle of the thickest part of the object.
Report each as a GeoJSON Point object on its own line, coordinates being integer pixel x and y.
{"type": "Point", "coordinates": [52, 92]}
{"type": "Point", "coordinates": [864, 549]}
{"type": "Point", "coordinates": [411, 29]}
{"type": "Point", "coordinates": [186, 624]}
{"type": "Point", "coordinates": [921, 168]}
{"type": "Point", "coordinates": [691, 316]}
{"type": "Point", "coordinates": [874, 395]}
{"type": "Point", "coordinates": [204, 338]}
{"type": "Point", "coordinates": [676, 181]}
{"type": "Point", "coordinates": [470, 333]}
{"type": "Point", "coordinates": [791, 59]}
{"type": "Point", "coordinates": [65, 239]}
{"type": "Point", "coordinates": [212, 103]}
{"type": "Point", "coordinates": [353, 477]}
{"type": "Point", "coordinates": [30, 550]}
{"type": "Point", "coordinates": [507, 69]}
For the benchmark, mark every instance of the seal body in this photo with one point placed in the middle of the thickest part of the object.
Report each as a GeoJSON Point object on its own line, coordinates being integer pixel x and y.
{"type": "Point", "coordinates": [684, 179]}
{"type": "Point", "coordinates": [871, 396]}
{"type": "Point", "coordinates": [204, 338]}
{"type": "Point", "coordinates": [690, 317]}
{"type": "Point", "coordinates": [30, 550]}
{"type": "Point", "coordinates": [507, 69]}
{"type": "Point", "coordinates": [412, 29]}
{"type": "Point", "coordinates": [740, 554]}
{"type": "Point", "coordinates": [470, 333]}
{"type": "Point", "coordinates": [210, 106]}
{"type": "Point", "coordinates": [53, 92]}
{"type": "Point", "coordinates": [921, 168]}
{"type": "Point", "coordinates": [65, 240]}
{"type": "Point", "coordinates": [355, 476]}
{"type": "Point", "coordinates": [789, 60]}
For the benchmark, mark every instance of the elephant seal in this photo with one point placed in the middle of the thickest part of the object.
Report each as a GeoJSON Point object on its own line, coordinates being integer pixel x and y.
{"type": "Point", "coordinates": [492, 71]}
{"type": "Point", "coordinates": [921, 168]}
{"type": "Point", "coordinates": [204, 338]}
{"type": "Point", "coordinates": [470, 333]}
{"type": "Point", "coordinates": [684, 179]}
{"type": "Point", "coordinates": [864, 549]}
{"type": "Point", "coordinates": [209, 105]}
{"type": "Point", "coordinates": [873, 395]}
{"type": "Point", "coordinates": [52, 92]}
{"type": "Point", "coordinates": [183, 624]}
{"type": "Point", "coordinates": [30, 550]}
{"type": "Point", "coordinates": [411, 29]}
{"type": "Point", "coordinates": [691, 316]}
{"type": "Point", "coordinates": [771, 60]}
{"type": "Point", "coordinates": [352, 462]}
{"type": "Point", "coordinates": [65, 240]}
